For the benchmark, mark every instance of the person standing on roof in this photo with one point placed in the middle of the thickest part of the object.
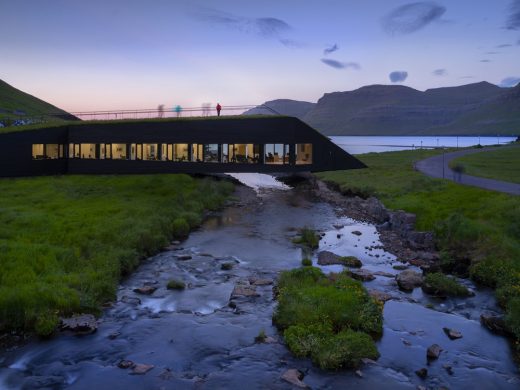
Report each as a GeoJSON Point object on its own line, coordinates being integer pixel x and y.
{"type": "Point", "coordinates": [219, 107]}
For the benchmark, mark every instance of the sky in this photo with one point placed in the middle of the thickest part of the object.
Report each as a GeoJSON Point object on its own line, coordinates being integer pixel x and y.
{"type": "Point", "coordinates": [124, 54]}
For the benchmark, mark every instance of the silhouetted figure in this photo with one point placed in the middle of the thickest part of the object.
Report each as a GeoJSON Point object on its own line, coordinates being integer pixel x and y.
{"type": "Point", "coordinates": [219, 107]}
{"type": "Point", "coordinates": [160, 110]}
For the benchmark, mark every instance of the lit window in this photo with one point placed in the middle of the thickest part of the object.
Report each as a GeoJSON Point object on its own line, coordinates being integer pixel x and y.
{"type": "Point", "coordinates": [276, 154]}
{"type": "Point", "coordinates": [303, 154]}
{"type": "Point", "coordinates": [210, 152]}
{"type": "Point", "coordinates": [119, 151]}
{"type": "Point", "coordinates": [38, 152]}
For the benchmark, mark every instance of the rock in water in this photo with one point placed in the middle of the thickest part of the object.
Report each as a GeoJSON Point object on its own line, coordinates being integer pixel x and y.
{"type": "Point", "coordinates": [244, 290]}
{"type": "Point", "coordinates": [124, 364]}
{"type": "Point", "coordinates": [379, 295]}
{"type": "Point", "coordinates": [80, 324]}
{"type": "Point", "coordinates": [357, 233]}
{"type": "Point", "coordinates": [409, 279]}
{"type": "Point", "coordinates": [362, 275]}
{"type": "Point", "coordinates": [422, 373]}
{"type": "Point", "coordinates": [145, 290]}
{"type": "Point", "coordinates": [494, 322]}
{"type": "Point", "coordinates": [294, 377]}
{"type": "Point", "coordinates": [433, 352]}
{"type": "Point", "coordinates": [329, 258]}
{"type": "Point", "coordinates": [452, 333]}
{"type": "Point", "coordinates": [141, 369]}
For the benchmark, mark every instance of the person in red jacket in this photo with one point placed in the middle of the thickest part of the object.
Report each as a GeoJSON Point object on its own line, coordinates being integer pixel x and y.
{"type": "Point", "coordinates": [219, 107]}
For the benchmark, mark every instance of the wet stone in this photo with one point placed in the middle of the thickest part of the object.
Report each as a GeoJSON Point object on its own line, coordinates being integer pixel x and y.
{"type": "Point", "coordinates": [114, 335]}
{"type": "Point", "coordinates": [145, 290]}
{"type": "Point", "coordinates": [80, 324]}
{"type": "Point", "coordinates": [433, 351]}
{"type": "Point", "coordinates": [141, 369]}
{"type": "Point", "coordinates": [452, 333]}
{"type": "Point", "coordinates": [379, 295]}
{"type": "Point", "coordinates": [260, 282]}
{"type": "Point", "coordinates": [361, 274]}
{"type": "Point", "coordinates": [494, 322]}
{"type": "Point", "coordinates": [422, 373]}
{"type": "Point", "coordinates": [124, 364]}
{"type": "Point", "coordinates": [244, 290]}
{"type": "Point", "coordinates": [408, 280]}
{"type": "Point", "coordinates": [357, 233]}
{"type": "Point", "coordinates": [183, 257]}
{"type": "Point", "coordinates": [294, 377]}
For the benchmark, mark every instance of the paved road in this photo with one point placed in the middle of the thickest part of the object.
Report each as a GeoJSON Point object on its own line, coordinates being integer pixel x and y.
{"type": "Point", "coordinates": [433, 167]}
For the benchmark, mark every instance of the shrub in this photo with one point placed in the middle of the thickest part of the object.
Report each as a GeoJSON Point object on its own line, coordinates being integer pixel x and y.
{"type": "Point", "coordinates": [46, 324]}
{"type": "Point", "coordinates": [309, 238]}
{"type": "Point", "coordinates": [439, 284]}
{"type": "Point", "coordinates": [174, 284]}
{"type": "Point", "coordinates": [329, 318]}
{"type": "Point", "coordinates": [307, 262]}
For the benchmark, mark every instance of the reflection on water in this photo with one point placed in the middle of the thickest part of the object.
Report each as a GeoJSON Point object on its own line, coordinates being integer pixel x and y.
{"type": "Point", "coordinates": [377, 144]}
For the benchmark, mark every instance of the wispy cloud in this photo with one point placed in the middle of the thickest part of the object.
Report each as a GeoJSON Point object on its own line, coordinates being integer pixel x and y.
{"type": "Point", "coordinates": [398, 76]}
{"type": "Point", "coordinates": [412, 17]}
{"type": "Point", "coordinates": [485, 60]}
{"type": "Point", "coordinates": [467, 77]}
{"type": "Point", "coordinates": [331, 49]}
{"type": "Point", "coordinates": [504, 45]}
{"type": "Point", "coordinates": [492, 52]}
{"type": "Point", "coordinates": [440, 72]}
{"type": "Point", "coordinates": [513, 21]}
{"type": "Point", "coordinates": [340, 65]}
{"type": "Point", "coordinates": [265, 27]}
{"type": "Point", "coordinates": [509, 82]}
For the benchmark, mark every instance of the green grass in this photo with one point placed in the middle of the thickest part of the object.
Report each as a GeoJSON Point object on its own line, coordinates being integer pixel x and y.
{"type": "Point", "coordinates": [442, 285]}
{"type": "Point", "coordinates": [66, 241]}
{"type": "Point", "coordinates": [329, 318]}
{"type": "Point", "coordinates": [308, 238]}
{"type": "Point", "coordinates": [502, 164]}
{"type": "Point", "coordinates": [474, 226]}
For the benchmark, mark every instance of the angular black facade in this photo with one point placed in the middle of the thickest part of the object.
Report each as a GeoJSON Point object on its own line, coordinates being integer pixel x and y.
{"type": "Point", "coordinates": [16, 148]}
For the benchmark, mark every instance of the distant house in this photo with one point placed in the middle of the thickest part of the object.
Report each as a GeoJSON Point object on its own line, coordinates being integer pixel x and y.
{"type": "Point", "coordinates": [190, 145]}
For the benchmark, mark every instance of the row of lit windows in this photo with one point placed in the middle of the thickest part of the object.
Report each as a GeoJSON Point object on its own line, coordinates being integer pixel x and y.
{"type": "Point", "coordinates": [224, 153]}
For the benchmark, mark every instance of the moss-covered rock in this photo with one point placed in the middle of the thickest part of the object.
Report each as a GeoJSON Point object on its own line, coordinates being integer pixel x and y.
{"type": "Point", "coordinates": [176, 285]}
{"type": "Point", "coordinates": [307, 262]}
{"type": "Point", "coordinates": [441, 285]}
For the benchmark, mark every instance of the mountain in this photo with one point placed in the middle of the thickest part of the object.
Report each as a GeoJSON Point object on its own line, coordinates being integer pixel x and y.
{"type": "Point", "coordinates": [473, 109]}
{"type": "Point", "coordinates": [288, 107]}
{"type": "Point", "coordinates": [16, 105]}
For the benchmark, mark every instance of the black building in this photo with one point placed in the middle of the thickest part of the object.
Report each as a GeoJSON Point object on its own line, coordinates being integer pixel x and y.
{"type": "Point", "coordinates": [191, 145]}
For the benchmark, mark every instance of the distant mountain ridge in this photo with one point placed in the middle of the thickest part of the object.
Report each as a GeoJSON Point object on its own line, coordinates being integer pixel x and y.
{"type": "Point", "coordinates": [473, 109]}
{"type": "Point", "coordinates": [16, 105]}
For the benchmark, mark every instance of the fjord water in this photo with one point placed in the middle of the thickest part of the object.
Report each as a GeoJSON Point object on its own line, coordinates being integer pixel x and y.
{"type": "Point", "coordinates": [377, 144]}
{"type": "Point", "coordinates": [195, 340]}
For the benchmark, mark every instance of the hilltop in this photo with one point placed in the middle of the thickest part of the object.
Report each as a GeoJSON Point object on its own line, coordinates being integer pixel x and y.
{"type": "Point", "coordinates": [478, 109]}
{"type": "Point", "coordinates": [16, 105]}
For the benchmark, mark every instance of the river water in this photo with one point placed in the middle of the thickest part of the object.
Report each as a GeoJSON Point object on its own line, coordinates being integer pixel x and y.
{"type": "Point", "coordinates": [377, 144]}
{"type": "Point", "coordinates": [195, 340]}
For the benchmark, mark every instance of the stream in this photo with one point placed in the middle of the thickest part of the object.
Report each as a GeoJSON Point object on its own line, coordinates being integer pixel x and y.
{"type": "Point", "coordinates": [195, 340]}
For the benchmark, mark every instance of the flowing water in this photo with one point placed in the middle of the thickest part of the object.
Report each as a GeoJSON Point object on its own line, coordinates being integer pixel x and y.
{"type": "Point", "coordinates": [195, 340]}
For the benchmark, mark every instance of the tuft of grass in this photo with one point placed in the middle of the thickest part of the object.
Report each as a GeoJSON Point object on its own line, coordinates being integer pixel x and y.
{"type": "Point", "coordinates": [176, 285]}
{"type": "Point", "coordinates": [473, 226]}
{"type": "Point", "coordinates": [308, 238]}
{"type": "Point", "coordinates": [439, 284]}
{"type": "Point", "coordinates": [66, 241]}
{"type": "Point", "coordinates": [307, 262]}
{"type": "Point", "coordinates": [331, 319]}
{"type": "Point", "coordinates": [261, 337]}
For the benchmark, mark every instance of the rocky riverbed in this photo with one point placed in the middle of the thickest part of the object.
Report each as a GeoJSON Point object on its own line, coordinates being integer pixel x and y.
{"type": "Point", "coordinates": [203, 336]}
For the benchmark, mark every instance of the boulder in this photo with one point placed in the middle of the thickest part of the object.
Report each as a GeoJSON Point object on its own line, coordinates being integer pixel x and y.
{"type": "Point", "coordinates": [422, 373]}
{"type": "Point", "coordinates": [141, 369]}
{"type": "Point", "coordinates": [361, 274]}
{"type": "Point", "coordinates": [80, 324]}
{"type": "Point", "coordinates": [452, 333]}
{"type": "Point", "coordinates": [124, 364]}
{"type": "Point", "coordinates": [183, 257]}
{"type": "Point", "coordinates": [329, 258]}
{"type": "Point", "coordinates": [244, 290]}
{"type": "Point", "coordinates": [402, 221]}
{"type": "Point", "coordinates": [145, 290]}
{"type": "Point", "coordinates": [294, 377]}
{"type": "Point", "coordinates": [379, 295]}
{"type": "Point", "coordinates": [433, 352]}
{"type": "Point", "coordinates": [494, 322]}
{"type": "Point", "coordinates": [409, 279]}
{"type": "Point", "coordinates": [357, 233]}
{"type": "Point", "coordinates": [260, 282]}
{"type": "Point", "coordinates": [376, 210]}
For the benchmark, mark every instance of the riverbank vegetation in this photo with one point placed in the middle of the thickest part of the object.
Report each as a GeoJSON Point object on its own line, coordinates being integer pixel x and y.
{"type": "Point", "coordinates": [502, 164]}
{"type": "Point", "coordinates": [476, 230]}
{"type": "Point", "coordinates": [66, 241]}
{"type": "Point", "coordinates": [331, 319]}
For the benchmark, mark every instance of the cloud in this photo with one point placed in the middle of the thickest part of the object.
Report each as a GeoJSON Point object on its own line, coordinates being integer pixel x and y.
{"type": "Point", "coordinates": [266, 27]}
{"type": "Point", "coordinates": [398, 76]}
{"type": "Point", "coordinates": [331, 49]}
{"type": "Point", "coordinates": [340, 65]}
{"type": "Point", "coordinates": [467, 77]}
{"type": "Point", "coordinates": [513, 22]}
{"type": "Point", "coordinates": [485, 60]}
{"type": "Point", "coordinates": [440, 72]}
{"type": "Point", "coordinates": [412, 17]}
{"type": "Point", "coordinates": [504, 45]}
{"type": "Point", "coordinates": [509, 82]}
{"type": "Point", "coordinates": [492, 52]}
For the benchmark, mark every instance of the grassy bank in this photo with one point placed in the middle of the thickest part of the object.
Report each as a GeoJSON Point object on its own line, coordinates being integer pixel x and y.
{"type": "Point", "coordinates": [502, 164]}
{"type": "Point", "coordinates": [473, 226]}
{"type": "Point", "coordinates": [66, 241]}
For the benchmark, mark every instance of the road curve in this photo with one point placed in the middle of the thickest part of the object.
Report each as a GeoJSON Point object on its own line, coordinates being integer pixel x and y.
{"type": "Point", "coordinates": [438, 166]}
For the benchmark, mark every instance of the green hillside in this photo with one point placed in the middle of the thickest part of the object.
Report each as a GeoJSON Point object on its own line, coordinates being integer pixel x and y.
{"type": "Point", "coordinates": [18, 105]}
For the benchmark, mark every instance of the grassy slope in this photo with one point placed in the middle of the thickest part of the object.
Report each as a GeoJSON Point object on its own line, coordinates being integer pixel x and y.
{"type": "Point", "coordinates": [503, 164]}
{"type": "Point", "coordinates": [66, 241]}
{"type": "Point", "coordinates": [482, 226]}
{"type": "Point", "coordinates": [12, 99]}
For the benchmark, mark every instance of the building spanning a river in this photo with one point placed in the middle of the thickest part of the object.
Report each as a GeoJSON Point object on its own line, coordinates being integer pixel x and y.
{"type": "Point", "coordinates": [191, 145]}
